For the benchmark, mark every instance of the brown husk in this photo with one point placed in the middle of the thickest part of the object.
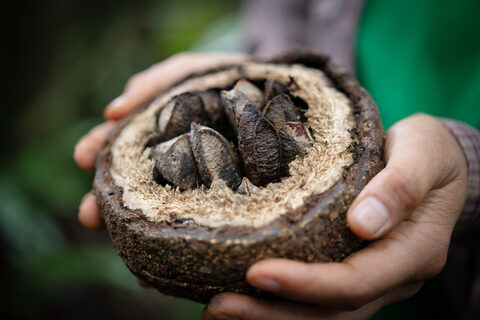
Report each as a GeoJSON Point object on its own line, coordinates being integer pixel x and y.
{"type": "Point", "coordinates": [196, 262]}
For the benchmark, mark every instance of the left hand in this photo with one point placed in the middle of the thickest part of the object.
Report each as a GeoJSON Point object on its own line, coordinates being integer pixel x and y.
{"type": "Point", "coordinates": [140, 89]}
{"type": "Point", "coordinates": [410, 209]}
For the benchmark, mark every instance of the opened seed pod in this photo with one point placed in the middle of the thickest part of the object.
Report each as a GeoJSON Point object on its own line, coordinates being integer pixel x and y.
{"type": "Point", "coordinates": [191, 211]}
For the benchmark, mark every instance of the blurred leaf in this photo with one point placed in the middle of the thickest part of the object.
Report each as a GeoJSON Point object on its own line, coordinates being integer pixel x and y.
{"type": "Point", "coordinates": [29, 232]}
{"type": "Point", "coordinates": [179, 24]}
{"type": "Point", "coordinates": [47, 171]}
{"type": "Point", "coordinates": [38, 248]}
{"type": "Point", "coordinates": [84, 264]}
{"type": "Point", "coordinates": [77, 56]}
{"type": "Point", "coordinates": [223, 34]}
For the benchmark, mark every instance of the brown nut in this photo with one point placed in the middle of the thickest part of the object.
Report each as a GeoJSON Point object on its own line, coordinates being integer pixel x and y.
{"type": "Point", "coordinates": [214, 156]}
{"type": "Point", "coordinates": [281, 110]}
{"type": "Point", "coordinates": [273, 88]}
{"type": "Point", "coordinates": [212, 104]}
{"type": "Point", "coordinates": [183, 109]}
{"type": "Point", "coordinates": [260, 147]}
{"type": "Point", "coordinates": [295, 139]}
{"type": "Point", "coordinates": [175, 163]}
{"type": "Point", "coordinates": [234, 101]}
{"type": "Point", "coordinates": [250, 91]}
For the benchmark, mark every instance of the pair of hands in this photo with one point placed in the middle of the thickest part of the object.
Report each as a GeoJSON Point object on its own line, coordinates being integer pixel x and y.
{"type": "Point", "coordinates": [410, 209]}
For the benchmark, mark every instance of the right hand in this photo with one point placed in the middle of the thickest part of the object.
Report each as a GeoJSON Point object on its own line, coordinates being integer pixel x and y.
{"type": "Point", "coordinates": [140, 88]}
{"type": "Point", "coordinates": [409, 209]}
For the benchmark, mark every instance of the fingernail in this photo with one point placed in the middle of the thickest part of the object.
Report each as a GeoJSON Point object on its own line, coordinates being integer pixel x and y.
{"type": "Point", "coordinates": [371, 215]}
{"type": "Point", "coordinates": [266, 284]}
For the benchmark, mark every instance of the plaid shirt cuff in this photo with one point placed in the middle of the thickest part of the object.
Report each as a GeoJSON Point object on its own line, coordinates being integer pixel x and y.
{"type": "Point", "coordinates": [469, 140]}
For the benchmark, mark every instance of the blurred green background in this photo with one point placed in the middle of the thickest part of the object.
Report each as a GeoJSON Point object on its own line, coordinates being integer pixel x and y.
{"type": "Point", "coordinates": [65, 60]}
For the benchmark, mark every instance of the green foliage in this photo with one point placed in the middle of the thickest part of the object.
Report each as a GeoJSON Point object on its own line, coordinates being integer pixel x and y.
{"type": "Point", "coordinates": [85, 53]}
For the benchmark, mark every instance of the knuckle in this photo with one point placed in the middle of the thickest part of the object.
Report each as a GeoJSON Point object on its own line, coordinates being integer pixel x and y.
{"type": "Point", "coordinates": [406, 190]}
{"type": "Point", "coordinates": [134, 81]}
{"type": "Point", "coordinates": [182, 56]}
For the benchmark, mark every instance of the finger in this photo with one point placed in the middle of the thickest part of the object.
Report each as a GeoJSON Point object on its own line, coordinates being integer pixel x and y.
{"type": "Point", "coordinates": [144, 86]}
{"type": "Point", "coordinates": [130, 100]}
{"type": "Point", "coordinates": [235, 306]}
{"type": "Point", "coordinates": [88, 213]}
{"type": "Point", "coordinates": [414, 167]}
{"type": "Point", "coordinates": [362, 277]}
{"type": "Point", "coordinates": [85, 153]}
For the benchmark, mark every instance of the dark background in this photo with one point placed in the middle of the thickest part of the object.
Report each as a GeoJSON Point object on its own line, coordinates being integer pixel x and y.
{"type": "Point", "coordinates": [63, 61]}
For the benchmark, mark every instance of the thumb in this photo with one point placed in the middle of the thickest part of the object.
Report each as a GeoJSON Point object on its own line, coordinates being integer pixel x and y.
{"type": "Point", "coordinates": [413, 169]}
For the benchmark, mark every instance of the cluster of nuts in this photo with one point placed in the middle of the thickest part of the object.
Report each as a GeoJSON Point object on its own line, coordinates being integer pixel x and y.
{"type": "Point", "coordinates": [257, 134]}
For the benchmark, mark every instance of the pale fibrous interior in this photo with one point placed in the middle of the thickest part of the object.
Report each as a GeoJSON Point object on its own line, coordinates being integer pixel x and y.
{"type": "Point", "coordinates": [329, 116]}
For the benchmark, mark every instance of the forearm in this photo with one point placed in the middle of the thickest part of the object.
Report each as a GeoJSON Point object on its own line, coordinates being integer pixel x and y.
{"type": "Point", "coordinates": [273, 27]}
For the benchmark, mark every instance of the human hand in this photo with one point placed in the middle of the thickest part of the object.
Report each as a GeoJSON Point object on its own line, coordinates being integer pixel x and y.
{"type": "Point", "coordinates": [140, 89]}
{"type": "Point", "coordinates": [409, 209]}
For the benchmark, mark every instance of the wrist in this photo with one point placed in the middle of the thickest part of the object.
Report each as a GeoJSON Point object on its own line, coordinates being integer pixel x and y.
{"type": "Point", "coordinates": [468, 139]}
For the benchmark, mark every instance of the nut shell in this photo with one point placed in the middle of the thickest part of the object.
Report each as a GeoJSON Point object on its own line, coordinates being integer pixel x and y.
{"type": "Point", "coordinates": [214, 156]}
{"type": "Point", "coordinates": [177, 115]}
{"type": "Point", "coordinates": [259, 146]}
{"type": "Point", "coordinates": [196, 262]}
{"type": "Point", "coordinates": [174, 161]}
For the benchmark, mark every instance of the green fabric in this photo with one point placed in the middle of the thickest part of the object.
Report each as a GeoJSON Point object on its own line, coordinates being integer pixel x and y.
{"type": "Point", "coordinates": [421, 56]}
